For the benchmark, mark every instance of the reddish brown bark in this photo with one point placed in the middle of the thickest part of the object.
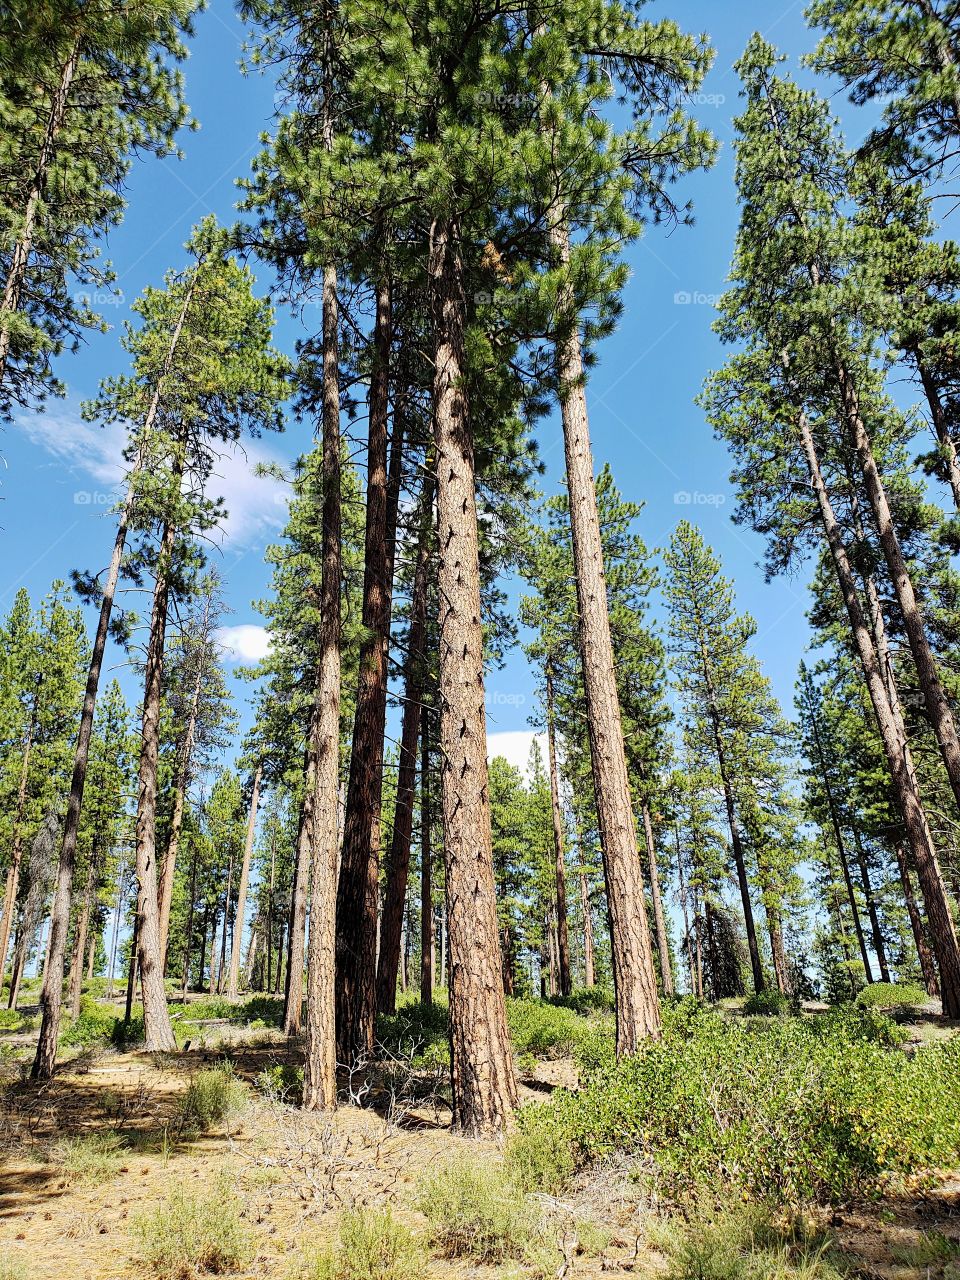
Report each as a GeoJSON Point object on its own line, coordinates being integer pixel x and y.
{"type": "Point", "coordinates": [482, 1073]}
{"type": "Point", "coordinates": [559, 848]}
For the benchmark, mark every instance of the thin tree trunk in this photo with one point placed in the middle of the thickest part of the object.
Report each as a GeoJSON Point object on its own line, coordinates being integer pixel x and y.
{"type": "Point", "coordinates": [934, 694]}
{"type": "Point", "coordinates": [663, 942]}
{"type": "Point", "coordinates": [736, 842]}
{"type": "Point", "coordinates": [426, 869]}
{"type": "Point", "coordinates": [234, 980]}
{"type": "Point", "coordinates": [484, 1085]}
{"type": "Point", "coordinates": [83, 923]}
{"type": "Point", "coordinates": [51, 996]}
{"type": "Point", "coordinates": [188, 932]}
{"type": "Point", "coordinates": [588, 963]}
{"type": "Point", "coordinates": [16, 851]}
{"type": "Point", "coordinates": [941, 426]}
{"type": "Point", "coordinates": [222, 967]}
{"type": "Point", "coordinates": [924, 954]}
{"type": "Point", "coordinates": [870, 898]}
{"type": "Point", "coordinates": [895, 747]}
{"type": "Point", "coordinates": [398, 863]}
{"type": "Point", "coordinates": [634, 977]}
{"type": "Point", "coordinates": [116, 933]}
{"type": "Point", "coordinates": [176, 821]}
{"type": "Point", "coordinates": [320, 1066]}
{"type": "Point", "coordinates": [132, 970]}
{"type": "Point", "coordinates": [16, 275]}
{"type": "Point", "coordinates": [356, 940]}
{"type": "Point", "coordinates": [559, 843]}
{"type": "Point", "coordinates": [297, 925]}
{"type": "Point", "coordinates": [688, 937]}
{"type": "Point", "coordinates": [273, 851]}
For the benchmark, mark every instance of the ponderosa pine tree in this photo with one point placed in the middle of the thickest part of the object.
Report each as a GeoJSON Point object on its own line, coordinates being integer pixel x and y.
{"type": "Point", "coordinates": [735, 715]}
{"type": "Point", "coordinates": [589, 178]}
{"type": "Point", "coordinates": [214, 378]}
{"type": "Point", "coordinates": [83, 89]}
{"type": "Point", "coordinates": [903, 54]}
{"type": "Point", "coordinates": [806, 380]}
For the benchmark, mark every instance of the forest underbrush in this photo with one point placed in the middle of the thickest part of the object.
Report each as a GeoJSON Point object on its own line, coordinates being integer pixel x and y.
{"type": "Point", "coordinates": [813, 1144]}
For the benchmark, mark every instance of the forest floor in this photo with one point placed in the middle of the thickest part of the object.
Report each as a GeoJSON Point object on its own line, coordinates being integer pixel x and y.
{"type": "Point", "coordinates": [82, 1156]}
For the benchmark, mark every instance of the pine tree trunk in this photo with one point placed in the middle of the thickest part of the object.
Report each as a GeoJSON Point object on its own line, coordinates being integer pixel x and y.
{"type": "Point", "coordinates": [895, 748]}
{"type": "Point", "coordinates": [188, 932]}
{"type": "Point", "coordinates": [83, 923]}
{"type": "Point", "coordinates": [588, 965]}
{"type": "Point", "coordinates": [176, 820]}
{"type": "Point", "coordinates": [115, 934]}
{"type": "Point", "coordinates": [296, 933]}
{"type": "Point", "coordinates": [269, 948]}
{"type": "Point", "coordinates": [132, 971]}
{"type": "Point", "coordinates": [940, 425]}
{"type": "Point", "coordinates": [158, 1032]}
{"type": "Point", "coordinates": [934, 694]}
{"type": "Point", "coordinates": [398, 864]}
{"type": "Point", "coordinates": [482, 1073]}
{"type": "Point", "coordinates": [16, 275]}
{"type": "Point", "coordinates": [736, 843]}
{"type": "Point", "coordinates": [16, 851]}
{"type": "Point", "coordinates": [634, 976]}
{"type": "Point", "coordinates": [687, 935]}
{"type": "Point", "coordinates": [876, 932]}
{"type": "Point", "coordinates": [663, 942]}
{"type": "Point", "coordinates": [222, 964]}
{"type": "Point", "coordinates": [559, 851]}
{"type": "Point", "coordinates": [52, 994]}
{"type": "Point", "coordinates": [234, 979]}
{"type": "Point", "coordinates": [426, 869]}
{"type": "Point", "coordinates": [320, 1065]}
{"type": "Point", "coordinates": [924, 955]}
{"type": "Point", "coordinates": [356, 942]}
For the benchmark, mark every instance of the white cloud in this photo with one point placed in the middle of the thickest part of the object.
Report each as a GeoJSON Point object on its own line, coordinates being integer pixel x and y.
{"type": "Point", "coordinates": [256, 505]}
{"type": "Point", "coordinates": [244, 643]}
{"type": "Point", "coordinates": [514, 745]}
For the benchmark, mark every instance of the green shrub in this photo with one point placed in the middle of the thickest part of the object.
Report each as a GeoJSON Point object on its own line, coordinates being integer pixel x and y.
{"type": "Point", "coordinates": [281, 1082]}
{"type": "Point", "coordinates": [91, 1157]}
{"type": "Point", "coordinates": [586, 1000]}
{"type": "Point", "coordinates": [95, 1024]}
{"type": "Point", "coordinates": [12, 1268]}
{"type": "Point", "coordinates": [787, 1109]}
{"type": "Point", "coordinates": [768, 1004]}
{"type": "Point", "coordinates": [892, 995]}
{"type": "Point", "coordinates": [213, 1097]}
{"type": "Point", "coordinates": [372, 1245]}
{"type": "Point", "coordinates": [11, 1020]}
{"type": "Point", "coordinates": [745, 1246]}
{"type": "Point", "coordinates": [418, 1032]}
{"type": "Point", "coordinates": [194, 1233]}
{"type": "Point", "coordinates": [538, 1159]}
{"type": "Point", "coordinates": [475, 1211]}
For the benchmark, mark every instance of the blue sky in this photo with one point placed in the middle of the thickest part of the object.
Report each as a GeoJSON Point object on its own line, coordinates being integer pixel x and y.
{"type": "Point", "coordinates": [60, 473]}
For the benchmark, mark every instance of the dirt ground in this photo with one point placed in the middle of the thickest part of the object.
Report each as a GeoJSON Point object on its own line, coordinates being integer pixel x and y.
{"type": "Point", "coordinates": [297, 1172]}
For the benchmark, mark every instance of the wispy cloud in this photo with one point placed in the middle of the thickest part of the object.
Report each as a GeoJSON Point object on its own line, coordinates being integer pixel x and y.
{"type": "Point", "coordinates": [256, 505]}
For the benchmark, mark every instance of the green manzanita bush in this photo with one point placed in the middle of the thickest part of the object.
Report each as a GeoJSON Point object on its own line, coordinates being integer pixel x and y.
{"type": "Point", "coordinates": [892, 995]}
{"type": "Point", "coordinates": [768, 1004]}
{"type": "Point", "coordinates": [790, 1109]}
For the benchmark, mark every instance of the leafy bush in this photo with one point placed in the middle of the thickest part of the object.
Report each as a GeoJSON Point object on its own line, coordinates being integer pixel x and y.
{"type": "Point", "coordinates": [95, 1024]}
{"type": "Point", "coordinates": [892, 995]}
{"type": "Point", "coordinates": [11, 1020]}
{"type": "Point", "coordinates": [281, 1082]}
{"type": "Point", "coordinates": [539, 1159]}
{"type": "Point", "coordinates": [542, 1029]}
{"type": "Point", "coordinates": [474, 1211]}
{"type": "Point", "coordinates": [586, 1000]}
{"type": "Point", "coordinates": [214, 1096]}
{"type": "Point", "coordinates": [768, 1004]}
{"type": "Point", "coordinates": [788, 1109]}
{"type": "Point", "coordinates": [416, 1031]}
{"type": "Point", "coordinates": [194, 1233]}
